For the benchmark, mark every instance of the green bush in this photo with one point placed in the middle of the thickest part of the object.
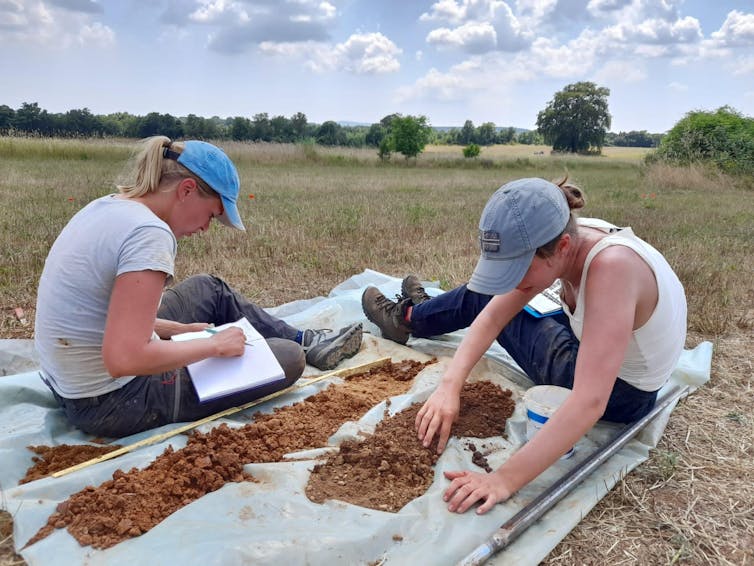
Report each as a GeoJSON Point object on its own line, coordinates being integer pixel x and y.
{"type": "Point", "coordinates": [724, 138]}
{"type": "Point", "coordinates": [471, 150]}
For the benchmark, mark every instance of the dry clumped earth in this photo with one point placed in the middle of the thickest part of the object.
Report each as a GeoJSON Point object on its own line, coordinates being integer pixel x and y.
{"type": "Point", "coordinates": [384, 471]}
{"type": "Point", "coordinates": [689, 503]}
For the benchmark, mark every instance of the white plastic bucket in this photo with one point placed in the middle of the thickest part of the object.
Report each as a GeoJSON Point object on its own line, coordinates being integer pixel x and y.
{"type": "Point", "coordinates": [541, 401]}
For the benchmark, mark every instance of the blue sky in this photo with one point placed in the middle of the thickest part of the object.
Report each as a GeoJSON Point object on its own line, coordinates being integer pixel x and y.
{"type": "Point", "coordinates": [495, 61]}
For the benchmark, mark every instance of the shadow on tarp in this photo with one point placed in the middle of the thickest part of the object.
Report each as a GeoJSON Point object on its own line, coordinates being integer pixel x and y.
{"type": "Point", "coordinates": [273, 522]}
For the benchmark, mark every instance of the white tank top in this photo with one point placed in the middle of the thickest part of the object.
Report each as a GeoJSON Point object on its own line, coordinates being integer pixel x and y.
{"type": "Point", "coordinates": [655, 347]}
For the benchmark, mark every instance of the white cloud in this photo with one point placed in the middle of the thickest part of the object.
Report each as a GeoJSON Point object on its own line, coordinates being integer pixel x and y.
{"type": "Point", "coordinates": [447, 11]}
{"type": "Point", "coordinates": [96, 34]}
{"type": "Point", "coordinates": [473, 37]}
{"type": "Point", "coordinates": [657, 31]}
{"type": "Point", "coordinates": [536, 10]}
{"type": "Point", "coordinates": [480, 26]}
{"type": "Point", "coordinates": [59, 25]}
{"type": "Point", "coordinates": [90, 6]}
{"type": "Point", "coordinates": [623, 71]}
{"type": "Point", "coordinates": [219, 11]}
{"type": "Point", "coordinates": [572, 59]}
{"type": "Point", "coordinates": [327, 10]}
{"type": "Point", "coordinates": [368, 53]}
{"type": "Point", "coordinates": [598, 7]}
{"type": "Point", "coordinates": [450, 86]}
{"type": "Point", "coordinates": [652, 51]}
{"type": "Point", "coordinates": [240, 25]}
{"type": "Point", "coordinates": [677, 87]}
{"type": "Point", "coordinates": [743, 66]}
{"type": "Point", "coordinates": [736, 31]}
{"type": "Point", "coordinates": [490, 75]}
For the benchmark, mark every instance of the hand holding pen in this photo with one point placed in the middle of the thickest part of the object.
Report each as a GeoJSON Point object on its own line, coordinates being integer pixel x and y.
{"type": "Point", "coordinates": [229, 342]}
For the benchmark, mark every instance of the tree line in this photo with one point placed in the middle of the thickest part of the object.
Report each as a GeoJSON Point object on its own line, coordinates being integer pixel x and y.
{"type": "Point", "coordinates": [30, 119]}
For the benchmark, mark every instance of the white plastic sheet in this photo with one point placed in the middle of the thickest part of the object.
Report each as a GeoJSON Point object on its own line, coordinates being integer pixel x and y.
{"type": "Point", "coordinates": [272, 522]}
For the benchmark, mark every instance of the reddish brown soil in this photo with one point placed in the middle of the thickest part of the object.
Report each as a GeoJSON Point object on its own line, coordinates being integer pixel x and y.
{"type": "Point", "coordinates": [132, 503]}
{"type": "Point", "coordinates": [391, 467]}
{"type": "Point", "coordinates": [52, 459]}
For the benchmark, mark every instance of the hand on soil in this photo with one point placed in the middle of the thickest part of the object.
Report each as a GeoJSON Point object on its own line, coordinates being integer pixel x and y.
{"type": "Point", "coordinates": [437, 416]}
{"type": "Point", "coordinates": [469, 487]}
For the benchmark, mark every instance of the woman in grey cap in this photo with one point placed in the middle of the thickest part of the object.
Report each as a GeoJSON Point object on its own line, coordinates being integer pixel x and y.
{"type": "Point", "coordinates": [615, 344]}
{"type": "Point", "coordinates": [103, 323]}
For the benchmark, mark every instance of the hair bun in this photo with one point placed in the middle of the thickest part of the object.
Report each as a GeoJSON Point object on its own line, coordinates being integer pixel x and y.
{"type": "Point", "coordinates": [574, 195]}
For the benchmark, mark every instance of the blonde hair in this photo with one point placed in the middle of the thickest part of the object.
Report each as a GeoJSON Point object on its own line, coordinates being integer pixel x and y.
{"type": "Point", "coordinates": [576, 200]}
{"type": "Point", "coordinates": [152, 167]}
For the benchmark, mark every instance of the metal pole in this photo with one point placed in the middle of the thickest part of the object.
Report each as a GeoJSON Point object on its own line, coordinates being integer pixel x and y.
{"type": "Point", "coordinates": [546, 500]}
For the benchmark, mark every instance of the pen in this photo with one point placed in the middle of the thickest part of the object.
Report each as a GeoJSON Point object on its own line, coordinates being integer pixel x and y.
{"type": "Point", "coordinates": [215, 331]}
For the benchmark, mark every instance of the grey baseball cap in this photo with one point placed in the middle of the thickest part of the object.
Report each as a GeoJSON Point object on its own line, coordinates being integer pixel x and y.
{"type": "Point", "coordinates": [520, 217]}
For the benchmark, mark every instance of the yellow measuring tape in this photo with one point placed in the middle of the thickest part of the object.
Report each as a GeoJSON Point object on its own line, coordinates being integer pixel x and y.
{"type": "Point", "coordinates": [345, 372]}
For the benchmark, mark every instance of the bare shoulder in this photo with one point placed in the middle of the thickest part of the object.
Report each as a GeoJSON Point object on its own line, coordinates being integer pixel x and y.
{"type": "Point", "coordinates": [619, 262]}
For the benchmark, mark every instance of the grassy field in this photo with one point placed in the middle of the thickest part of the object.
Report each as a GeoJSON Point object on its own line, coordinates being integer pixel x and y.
{"type": "Point", "coordinates": [315, 217]}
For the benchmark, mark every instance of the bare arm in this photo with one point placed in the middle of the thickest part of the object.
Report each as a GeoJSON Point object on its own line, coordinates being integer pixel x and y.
{"type": "Point", "coordinates": [612, 294]}
{"type": "Point", "coordinates": [441, 409]}
{"type": "Point", "coordinates": [127, 348]}
{"type": "Point", "coordinates": [168, 328]}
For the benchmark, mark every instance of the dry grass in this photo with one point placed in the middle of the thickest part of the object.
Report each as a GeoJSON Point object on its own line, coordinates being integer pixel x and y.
{"type": "Point", "coordinates": [319, 216]}
{"type": "Point", "coordinates": [692, 502]}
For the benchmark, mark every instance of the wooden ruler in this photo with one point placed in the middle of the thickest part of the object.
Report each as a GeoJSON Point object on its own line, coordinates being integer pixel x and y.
{"type": "Point", "coordinates": [345, 372]}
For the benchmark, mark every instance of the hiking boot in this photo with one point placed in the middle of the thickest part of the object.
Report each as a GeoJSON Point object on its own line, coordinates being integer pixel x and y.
{"type": "Point", "coordinates": [387, 315]}
{"type": "Point", "coordinates": [412, 288]}
{"type": "Point", "coordinates": [325, 352]}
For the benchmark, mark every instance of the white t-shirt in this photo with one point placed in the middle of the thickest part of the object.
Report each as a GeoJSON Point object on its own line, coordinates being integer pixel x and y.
{"type": "Point", "coordinates": [106, 238]}
{"type": "Point", "coordinates": [655, 347]}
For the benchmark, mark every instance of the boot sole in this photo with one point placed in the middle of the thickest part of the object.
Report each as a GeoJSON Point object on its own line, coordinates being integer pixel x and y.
{"type": "Point", "coordinates": [346, 346]}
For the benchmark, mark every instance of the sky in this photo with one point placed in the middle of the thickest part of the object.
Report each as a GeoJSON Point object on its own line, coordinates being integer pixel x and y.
{"type": "Point", "coordinates": [497, 61]}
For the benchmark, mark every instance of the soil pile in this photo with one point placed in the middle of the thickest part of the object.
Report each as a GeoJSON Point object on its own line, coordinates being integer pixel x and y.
{"type": "Point", "coordinates": [51, 459]}
{"type": "Point", "coordinates": [391, 467]}
{"type": "Point", "coordinates": [132, 503]}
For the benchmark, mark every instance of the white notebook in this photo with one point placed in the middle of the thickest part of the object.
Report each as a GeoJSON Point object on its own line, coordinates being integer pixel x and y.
{"type": "Point", "coordinates": [547, 302]}
{"type": "Point", "coordinates": [217, 377]}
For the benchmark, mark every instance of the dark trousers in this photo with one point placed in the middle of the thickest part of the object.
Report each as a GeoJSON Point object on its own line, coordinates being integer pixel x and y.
{"type": "Point", "coordinates": [545, 348]}
{"type": "Point", "coordinates": [153, 400]}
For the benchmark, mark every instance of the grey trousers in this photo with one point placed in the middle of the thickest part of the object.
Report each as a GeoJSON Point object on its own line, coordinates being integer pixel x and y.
{"type": "Point", "coordinates": [150, 401]}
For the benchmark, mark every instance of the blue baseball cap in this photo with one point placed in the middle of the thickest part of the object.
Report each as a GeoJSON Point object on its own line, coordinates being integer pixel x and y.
{"type": "Point", "coordinates": [211, 165]}
{"type": "Point", "coordinates": [518, 219]}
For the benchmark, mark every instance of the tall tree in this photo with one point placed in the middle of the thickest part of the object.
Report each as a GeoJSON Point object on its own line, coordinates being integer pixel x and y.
{"type": "Point", "coordinates": [82, 122]}
{"type": "Point", "coordinates": [375, 135]}
{"type": "Point", "coordinates": [240, 128]}
{"type": "Point", "coordinates": [7, 114]}
{"type": "Point", "coordinates": [28, 118]}
{"type": "Point", "coordinates": [298, 125]}
{"type": "Point", "coordinates": [576, 119]}
{"type": "Point", "coordinates": [155, 123]}
{"type": "Point", "coordinates": [331, 133]}
{"type": "Point", "coordinates": [410, 134]}
{"type": "Point", "coordinates": [467, 133]}
{"type": "Point", "coordinates": [261, 128]}
{"type": "Point", "coordinates": [388, 120]}
{"type": "Point", "coordinates": [282, 130]}
{"type": "Point", "coordinates": [485, 134]}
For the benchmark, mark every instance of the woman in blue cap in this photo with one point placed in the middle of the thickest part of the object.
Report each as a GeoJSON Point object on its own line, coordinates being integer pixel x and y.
{"type": "Point", "coordinates": [616, 343]}
{"type": "Point", "coordinates": [103, 322]}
